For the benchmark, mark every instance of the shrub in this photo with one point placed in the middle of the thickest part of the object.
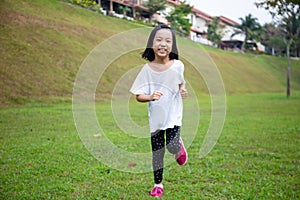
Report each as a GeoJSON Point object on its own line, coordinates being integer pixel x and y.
{"type": "Point", "coordinates": [91, 4]}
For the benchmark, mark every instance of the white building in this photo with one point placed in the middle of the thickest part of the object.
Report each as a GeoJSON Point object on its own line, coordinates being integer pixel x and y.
{"type": "Point", "coordinates": [199, 21]}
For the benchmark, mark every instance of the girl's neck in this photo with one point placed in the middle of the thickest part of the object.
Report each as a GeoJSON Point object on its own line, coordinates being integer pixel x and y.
{"type": "Point", "coordinates": [161, 61]}
{"type": "Point", "coordinates": [159, 65]}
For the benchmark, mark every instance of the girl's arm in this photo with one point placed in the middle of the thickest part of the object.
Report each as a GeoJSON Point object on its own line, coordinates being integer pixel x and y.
{"type": "Point", "coordinates": [183, 91]}
{"type": "Point", "coordinates": [146, 98]}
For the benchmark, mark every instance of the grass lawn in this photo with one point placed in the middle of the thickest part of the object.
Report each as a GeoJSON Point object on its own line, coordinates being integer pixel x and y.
{"type": "Point", "coordinates": [256, 157]}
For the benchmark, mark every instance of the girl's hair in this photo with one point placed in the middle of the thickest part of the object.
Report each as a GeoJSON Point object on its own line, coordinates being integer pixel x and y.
{"type": "Point", "coordinates": [149, 53]}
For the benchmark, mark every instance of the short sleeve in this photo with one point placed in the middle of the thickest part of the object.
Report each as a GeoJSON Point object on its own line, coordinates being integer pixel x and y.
{"type": "Point", "coordinates": [141, 84]}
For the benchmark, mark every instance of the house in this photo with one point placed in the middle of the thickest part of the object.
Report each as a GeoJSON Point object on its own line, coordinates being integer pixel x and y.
{"type": "Point", "coordinates": [235, 42]}
{"type": "Point", "coordinates": [199, 21]}
{"type": "Point", "coordinates": [228, 28]}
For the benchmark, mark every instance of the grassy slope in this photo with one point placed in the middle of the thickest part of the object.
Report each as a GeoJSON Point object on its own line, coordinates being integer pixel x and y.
{"type": "Point", "coordinates": [254, 73]}
{"type": "Point", "coordinates": [44, 42]}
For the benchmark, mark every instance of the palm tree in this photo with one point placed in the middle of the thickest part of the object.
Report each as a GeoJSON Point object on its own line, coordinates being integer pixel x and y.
{"type": "Point", "coordinates": [249, 27]}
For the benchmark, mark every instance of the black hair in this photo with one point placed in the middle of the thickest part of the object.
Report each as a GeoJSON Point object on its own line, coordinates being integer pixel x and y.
{"type": "Point", "coordinates": [149, 52]}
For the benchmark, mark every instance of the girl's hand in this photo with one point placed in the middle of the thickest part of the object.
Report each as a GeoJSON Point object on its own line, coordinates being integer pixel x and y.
{"type": "Point", "coordinates": [156, 95]}
{"type": "Point", "coordinates": [184, 93]}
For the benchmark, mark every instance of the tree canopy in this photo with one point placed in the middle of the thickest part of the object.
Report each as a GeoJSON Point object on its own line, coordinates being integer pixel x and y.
{"type": "Point", "coordinates": [179, 20]}
{"type": "Point", "coordinates": [280, 7]}
{"type": "Point", "coordinates": [212, 31]}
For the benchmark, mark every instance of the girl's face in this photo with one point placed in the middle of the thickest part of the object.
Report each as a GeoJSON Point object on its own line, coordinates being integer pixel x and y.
{"type": "Point", "coordinates": [162, 43]}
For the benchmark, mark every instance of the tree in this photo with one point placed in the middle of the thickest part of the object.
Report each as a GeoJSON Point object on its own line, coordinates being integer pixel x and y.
{"type": "Point", "coordinates": [154, 6]}
{"type": "Point", "coordinates": [290, 29]}
{"type": "Point", "coordinates": [287, 13]}
{"type": "Point", "coordinates": [270, 37]}
{"type": "Point", "coordinates": [212, 31]}
{"type": "Point", "coordinates": [297, 47]}
{"type": "Point", "coordinates": [280, 7]}
{"type": "Point", "coordinates": [178, 18]}
{"type": "Point", "coordinates": [249, 27]}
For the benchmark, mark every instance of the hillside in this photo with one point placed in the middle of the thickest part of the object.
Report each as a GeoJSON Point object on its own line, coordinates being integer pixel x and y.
{"type": "Point", "coordinates": [44, 42]}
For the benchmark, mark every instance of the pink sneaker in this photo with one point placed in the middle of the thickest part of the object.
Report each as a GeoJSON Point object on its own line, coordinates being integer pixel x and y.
{"type": "Point", "coordinates": [157, 191]}
{"type": "Point", "coordinates": [181, 156]}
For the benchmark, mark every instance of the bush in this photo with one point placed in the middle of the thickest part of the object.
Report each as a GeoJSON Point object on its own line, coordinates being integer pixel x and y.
{"type": "Point", "coordinates": [91, 4]}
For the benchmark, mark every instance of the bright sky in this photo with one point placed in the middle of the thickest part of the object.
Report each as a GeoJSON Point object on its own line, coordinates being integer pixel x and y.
{"type": "Point", "coordinates": [232, 9]}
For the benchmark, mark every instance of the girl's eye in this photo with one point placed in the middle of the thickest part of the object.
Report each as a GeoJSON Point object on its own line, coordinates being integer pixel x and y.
{"type": "Point", "coordinates": [168, 41]}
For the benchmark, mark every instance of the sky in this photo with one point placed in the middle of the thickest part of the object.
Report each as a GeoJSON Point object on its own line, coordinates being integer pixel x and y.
{"type": "Point", "coordinates": [232, 9]}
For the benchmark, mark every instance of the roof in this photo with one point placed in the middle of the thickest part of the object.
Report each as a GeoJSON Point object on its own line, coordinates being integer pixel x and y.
{"type": "Point", "coordinates": [202, 14]}
{"type": "Point", "coordinates": [227, 21]}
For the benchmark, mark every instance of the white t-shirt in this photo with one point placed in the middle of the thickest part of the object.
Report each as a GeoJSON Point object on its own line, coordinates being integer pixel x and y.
{"type": "Point", "coordinates": [167, 111]}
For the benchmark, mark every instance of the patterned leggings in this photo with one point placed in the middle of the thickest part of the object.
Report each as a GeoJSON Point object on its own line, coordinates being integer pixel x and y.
{"type": "Point", "coordinates": [158, 149]}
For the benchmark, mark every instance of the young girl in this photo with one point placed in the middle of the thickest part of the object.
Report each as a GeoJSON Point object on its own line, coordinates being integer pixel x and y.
{"type": "Point", "coordinates": [161, 83]}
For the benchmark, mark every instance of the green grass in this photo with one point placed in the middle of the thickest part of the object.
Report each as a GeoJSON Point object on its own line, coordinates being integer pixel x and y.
{"type": "Point", "coordinates": [256, 157]}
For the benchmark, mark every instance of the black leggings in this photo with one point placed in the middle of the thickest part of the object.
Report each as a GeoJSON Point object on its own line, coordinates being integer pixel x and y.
{"type": "Point", "coordinates": [158, 149]}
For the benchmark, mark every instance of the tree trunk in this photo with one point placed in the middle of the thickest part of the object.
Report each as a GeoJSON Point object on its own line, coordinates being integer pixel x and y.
{"type": "Point", "coordinates": [288, 71]}
{"type": "Point", "coordinates": [243, 46]}
{"type": "Point", "coordinates": [245, 41]}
